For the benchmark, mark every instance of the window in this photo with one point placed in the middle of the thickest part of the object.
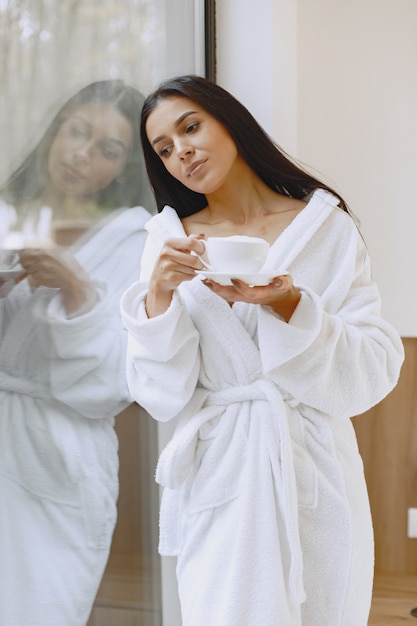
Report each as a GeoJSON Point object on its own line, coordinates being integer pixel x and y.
{"type": "Point", "coordinates": [49, 49]}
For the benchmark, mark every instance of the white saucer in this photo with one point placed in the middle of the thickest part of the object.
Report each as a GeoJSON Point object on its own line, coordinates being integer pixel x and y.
{"type": "Point", "coordinates": [14, 272]}
{"type": "Point", "coordinates": [260, 279]}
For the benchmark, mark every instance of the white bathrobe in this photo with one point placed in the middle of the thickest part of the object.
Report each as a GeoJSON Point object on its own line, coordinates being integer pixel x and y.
{"type": "Point", "coordinates": [62, 381]}
{"type": "Point", "coordinates": [265, 502]}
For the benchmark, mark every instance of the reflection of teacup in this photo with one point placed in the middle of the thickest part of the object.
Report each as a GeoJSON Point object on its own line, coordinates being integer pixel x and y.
{"type": "Point", "coordinates": [238, 253]}
{"type": "Point", "coordinates": [8, 259]}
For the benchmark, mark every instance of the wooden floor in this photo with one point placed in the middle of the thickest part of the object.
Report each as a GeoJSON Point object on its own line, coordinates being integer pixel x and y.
{"type": "Point", "coordinates": [126, 600]}
{"type": "Point", "coordinates": [133, 600]}
{"type": "Point", "coordinates": [393, 599]}
{"type": "Point", "coordinates": [128, 596]}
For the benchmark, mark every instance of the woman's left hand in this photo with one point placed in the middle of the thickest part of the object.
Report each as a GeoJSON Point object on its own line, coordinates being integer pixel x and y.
{"type": "Point", "coordinates": [280, 294]}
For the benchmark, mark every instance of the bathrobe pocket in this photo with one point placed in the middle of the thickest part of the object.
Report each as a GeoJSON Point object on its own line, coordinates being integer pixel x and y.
{"type": "Point", "coordinates": [33, 458]}
{"type": "Point", "coordinates": [218, 464]}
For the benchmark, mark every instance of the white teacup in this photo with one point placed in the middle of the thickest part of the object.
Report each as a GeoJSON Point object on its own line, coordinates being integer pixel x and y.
{"type": "Point", "coordinates": [236, 254]}
{"type": "Point", "coordinates": [8, 259]}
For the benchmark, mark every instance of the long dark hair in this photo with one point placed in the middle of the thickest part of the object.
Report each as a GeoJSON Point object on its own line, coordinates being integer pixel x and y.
{"type": "Point", "coordinates": [261, 153]}
{"type": "Point", "coordinates": [131, 188]}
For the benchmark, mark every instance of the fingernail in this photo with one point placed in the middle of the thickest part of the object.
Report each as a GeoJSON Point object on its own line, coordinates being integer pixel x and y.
{"type": "Point", "coordinates": [278, 283]}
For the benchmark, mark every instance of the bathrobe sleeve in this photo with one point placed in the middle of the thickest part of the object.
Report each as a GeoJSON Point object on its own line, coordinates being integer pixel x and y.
{"type": "Point", "coordinates": [170, 338]}
{"type": "Point", "coordinates": [336, 354]}
{"type": "Point", "coordinates": [87, 357]}
{"type": "Point", "coordinates": [86, 354]}
{"type": "Point", "coordinates": [77, 363]}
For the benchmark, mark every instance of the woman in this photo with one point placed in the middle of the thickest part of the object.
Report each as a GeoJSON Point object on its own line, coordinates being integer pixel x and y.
{"type": "Point", "coordinates": [62, 359]}
{"type": "Point", "coordinates": [265, 503]}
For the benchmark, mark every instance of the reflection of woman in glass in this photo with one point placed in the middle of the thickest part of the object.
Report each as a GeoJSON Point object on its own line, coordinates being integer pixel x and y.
{"type": "Point", "coordinates": [265, 502]}
{"type": "Point", "coordinates": [62, 355]}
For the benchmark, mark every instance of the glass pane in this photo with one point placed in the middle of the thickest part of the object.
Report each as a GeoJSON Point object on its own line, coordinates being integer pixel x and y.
{"type": "Point", "coordinates": [63, 396]}
{"type": "Point", "coordinates": [50, 48]}
{"type": "Point", "coordinates": [131, 588]}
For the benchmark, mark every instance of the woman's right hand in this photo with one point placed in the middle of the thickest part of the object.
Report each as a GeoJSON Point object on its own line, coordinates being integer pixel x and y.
{"type": "Point", "coordinates": [57, 268]}
{"type": "Point", "coordinates": [6, 286]}
{"type": "Point", "coordinates": [175, 264]}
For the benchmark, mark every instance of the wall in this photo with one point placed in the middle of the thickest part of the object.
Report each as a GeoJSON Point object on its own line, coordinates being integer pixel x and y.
{"type": "Point", "coordinates": [335, 84]}
{"type": "Point", "coordinates": [244, 53]}
{"type": "Point", "coordinates": [357, 103]}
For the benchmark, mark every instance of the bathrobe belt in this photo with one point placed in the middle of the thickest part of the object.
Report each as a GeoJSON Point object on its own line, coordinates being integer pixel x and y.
{"type": "Point", "coordinates": [176, 460]}
{"type": "Point", "coordinates": [13, 384]}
